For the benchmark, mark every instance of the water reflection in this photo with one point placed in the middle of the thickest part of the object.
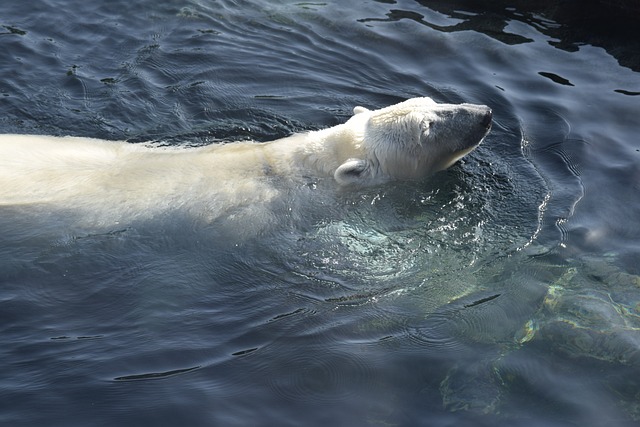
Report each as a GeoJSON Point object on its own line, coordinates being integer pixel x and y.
{"type": "Point", "coordinates": [569, 24]}
{"type": "Point", "coordinates": [502, 292]}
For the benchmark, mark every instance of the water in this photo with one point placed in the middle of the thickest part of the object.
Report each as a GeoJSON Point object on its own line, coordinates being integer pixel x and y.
{"type": "Point", "coordinates": [504, 291]}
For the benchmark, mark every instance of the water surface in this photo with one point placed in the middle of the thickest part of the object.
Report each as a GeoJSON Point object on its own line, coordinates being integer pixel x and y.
{"type": "Point", "coordinates": [504, 291]}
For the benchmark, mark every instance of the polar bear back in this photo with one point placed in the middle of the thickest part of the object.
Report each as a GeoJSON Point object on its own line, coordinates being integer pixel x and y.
{"type": "Point", "coordinates": [92, 175]}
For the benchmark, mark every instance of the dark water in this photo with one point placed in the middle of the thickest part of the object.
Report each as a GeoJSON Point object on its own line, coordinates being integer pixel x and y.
{"type": "Point", "coordinates": [505, 291]}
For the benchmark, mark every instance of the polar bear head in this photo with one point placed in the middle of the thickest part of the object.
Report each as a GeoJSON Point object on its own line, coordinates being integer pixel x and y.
{"type": "Point", "coordinates": [411, 140]}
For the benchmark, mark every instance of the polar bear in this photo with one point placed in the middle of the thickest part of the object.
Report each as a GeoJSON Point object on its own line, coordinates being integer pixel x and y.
{"type": "Point", "coordinates": [111, 181]}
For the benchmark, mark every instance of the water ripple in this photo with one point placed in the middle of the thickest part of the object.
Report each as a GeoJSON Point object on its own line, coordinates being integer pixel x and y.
{"type": "Point", "coordinates": [333, 376]}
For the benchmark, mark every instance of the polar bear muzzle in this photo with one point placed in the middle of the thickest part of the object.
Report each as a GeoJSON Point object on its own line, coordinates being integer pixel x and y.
{"type": "Point", "coordinates": [455, 132]}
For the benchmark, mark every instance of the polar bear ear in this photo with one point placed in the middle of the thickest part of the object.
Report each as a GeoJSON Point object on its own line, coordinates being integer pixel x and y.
{"type": "Point", "coordinates": [351, 172]}
{"type": "Point", "coordinates": [359, 109]}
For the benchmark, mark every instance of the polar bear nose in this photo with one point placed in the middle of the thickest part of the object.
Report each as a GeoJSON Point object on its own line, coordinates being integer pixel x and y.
{"type": "Point", "coordinates": [486, 120]}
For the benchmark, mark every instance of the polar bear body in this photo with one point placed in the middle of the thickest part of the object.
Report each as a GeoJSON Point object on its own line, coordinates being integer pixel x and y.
{"type": "Point", "coordinates": [111, 181]}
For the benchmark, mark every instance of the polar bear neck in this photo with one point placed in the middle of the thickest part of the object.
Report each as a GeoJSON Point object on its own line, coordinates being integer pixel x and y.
{"type": "Point", "coordinates": [322, 151]}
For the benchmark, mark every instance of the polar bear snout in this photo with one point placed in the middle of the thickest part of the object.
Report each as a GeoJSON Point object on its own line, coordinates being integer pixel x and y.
{"type": "Point", "coordinates": [478, 117]}
{"type": "Point", "coordinates": [454, 131]}
{"type": "Point", "coordinates": [487, 119]}
{"type": "Point", "coordinates": [479, 120]}
{"type": "Point", "coordinates": [459, 127]}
